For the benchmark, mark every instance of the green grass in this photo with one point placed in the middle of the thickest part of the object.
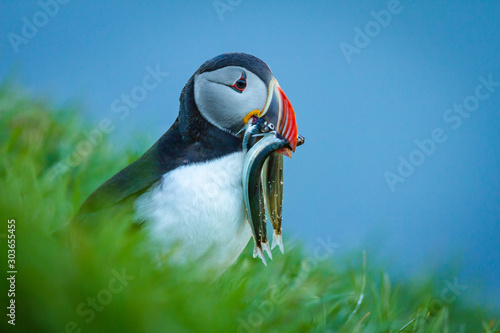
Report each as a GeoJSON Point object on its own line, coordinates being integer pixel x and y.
{"type": "Point", "coordinates": [297, 292]}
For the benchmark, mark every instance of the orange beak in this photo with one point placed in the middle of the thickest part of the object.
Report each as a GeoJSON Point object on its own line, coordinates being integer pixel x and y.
{"type": "Point", "coordinates": [279, 111]}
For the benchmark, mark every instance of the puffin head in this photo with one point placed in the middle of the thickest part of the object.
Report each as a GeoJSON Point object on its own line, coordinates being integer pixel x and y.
{"type": "Point", "coordinates": [232, 88]}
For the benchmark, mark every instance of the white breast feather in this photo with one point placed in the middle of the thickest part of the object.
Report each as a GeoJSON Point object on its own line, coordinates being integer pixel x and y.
{"type": "Point", "coordinates": [199, 207]}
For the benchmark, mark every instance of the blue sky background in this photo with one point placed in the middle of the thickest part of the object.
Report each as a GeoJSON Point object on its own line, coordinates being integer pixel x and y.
{"type": "Point", "coordinates": [358, 117]}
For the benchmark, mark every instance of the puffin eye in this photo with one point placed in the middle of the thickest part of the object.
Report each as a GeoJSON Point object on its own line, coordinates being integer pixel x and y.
{"type": "Point", "coordinates": [240, 84]}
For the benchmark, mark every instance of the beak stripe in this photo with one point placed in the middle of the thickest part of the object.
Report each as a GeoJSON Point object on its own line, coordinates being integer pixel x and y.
{"type": "Point", "coordinates": [289, 128]}
{"type": "Point", "coordinates": [281, 108]}
{"type": "Point", "coordinates": [270, 91]}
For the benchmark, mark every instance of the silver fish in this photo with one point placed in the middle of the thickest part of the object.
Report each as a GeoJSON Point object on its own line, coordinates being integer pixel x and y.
{"type": "Point", "coordinates": [272, 180]}
{"type": "Point", "coordinates": [253, 189]}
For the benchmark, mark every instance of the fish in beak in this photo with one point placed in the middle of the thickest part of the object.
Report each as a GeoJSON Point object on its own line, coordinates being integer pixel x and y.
{"type": "Point", "coordinates": [270, 134]}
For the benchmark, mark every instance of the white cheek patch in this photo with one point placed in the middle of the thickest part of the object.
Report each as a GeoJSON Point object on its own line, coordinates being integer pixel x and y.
{"type": "Point", "coordinates": [223, 106]}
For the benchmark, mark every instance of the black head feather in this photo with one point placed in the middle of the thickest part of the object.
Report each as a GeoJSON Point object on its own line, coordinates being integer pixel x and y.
{"type": "Point", "coordinates": [248, 61]}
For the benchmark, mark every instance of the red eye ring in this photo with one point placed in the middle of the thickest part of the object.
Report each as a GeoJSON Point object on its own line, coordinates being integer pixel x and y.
{"type": "Point", "coordinates": [240, 84]}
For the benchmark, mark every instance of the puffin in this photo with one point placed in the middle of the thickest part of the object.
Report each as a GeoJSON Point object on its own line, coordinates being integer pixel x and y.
{"type": "Point", "coordinates": [209, 184]}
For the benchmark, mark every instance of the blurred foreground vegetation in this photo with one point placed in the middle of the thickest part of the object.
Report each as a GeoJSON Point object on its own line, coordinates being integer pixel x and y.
{"type": "Point", "coordinates": [104, 281]}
